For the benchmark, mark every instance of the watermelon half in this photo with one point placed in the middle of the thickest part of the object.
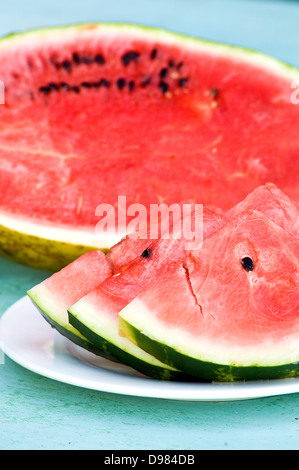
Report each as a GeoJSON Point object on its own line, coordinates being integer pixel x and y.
{"type": "Point", "coordinates": [97, 111]}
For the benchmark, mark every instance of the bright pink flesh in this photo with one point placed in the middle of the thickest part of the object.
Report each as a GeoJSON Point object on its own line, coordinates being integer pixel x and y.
{"type": "Point", "coordinates": [139, 263]}
{"type": "Point", "coordinates": [78, 278]}
{"type": "Point", "coordinates": [170, 124]}
{"type": "Point", "coordinates": [276, 205]}
{"type": "Point", "coordinates": [213, 296]}
{"type": "Point", "coordinates": [170, 238]}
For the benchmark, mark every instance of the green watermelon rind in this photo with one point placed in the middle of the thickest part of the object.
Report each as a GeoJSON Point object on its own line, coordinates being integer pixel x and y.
{"type": "Point", "coordinates": [24, 243]}
{"type": "Point", "coordinates": [103, 337]}
{"type": "Point", "coordinates": [51, 315]}
{"type": "Point", "coordinates": [144, 337]}
{"type": "Point", "coordinates": [155, 33]}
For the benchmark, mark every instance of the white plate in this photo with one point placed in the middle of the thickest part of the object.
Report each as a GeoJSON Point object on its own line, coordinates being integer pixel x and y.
{"type": "Point", "coordinates": [31, 342]}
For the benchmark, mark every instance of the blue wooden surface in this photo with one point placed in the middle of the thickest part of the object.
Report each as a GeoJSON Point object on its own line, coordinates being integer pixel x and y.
{"type": "Point", "coordinates": [39, 413]}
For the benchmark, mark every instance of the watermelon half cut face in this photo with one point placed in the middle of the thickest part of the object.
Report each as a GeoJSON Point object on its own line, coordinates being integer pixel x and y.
{"type": "Point", "coordinates": [94, 112]}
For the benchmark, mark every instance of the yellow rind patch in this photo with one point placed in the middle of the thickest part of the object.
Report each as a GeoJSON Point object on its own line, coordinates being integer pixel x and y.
{"type": "Point", "coordinates": [37, 252]}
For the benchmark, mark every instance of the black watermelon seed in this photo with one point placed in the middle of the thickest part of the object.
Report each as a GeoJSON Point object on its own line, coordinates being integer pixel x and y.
{"type": "Point", "coordinates": [99, 59]}
{"type": "Point", "coordinates": [86, 85]}
{"type": "Point", "coordinates": [54, 86]}
{"type": "Point", "coordinates": [180, 65]}
{"type": "Point", "coordinates": [66, 64]}
{"type": "Point", "coordinates": [215, 93]}
{"type": "Point", "coordinates": [64, 86]}
{"type": "Point", "coordinates": [147, 253]}
{"type": "Point", "coordinates": [46, 90]}
{"type": "Point", "coordinates": [121, 83]}
{"type": "Point", "coordinates": [76, 89]}
{"type": "Point", "coordinates": [164, 86]}
{"type": "Point", "coordinates": [171, 63]}
{"type": "Point", "coordinates": [153, 54]}
{"type": "Point", "coordinates": [129, 57]}
{"type": "Point", "coordinates": [76, 58]}
{"type": "Point", "coordinates": [247, 264]}
{"type": "Point", "coordinates": [131, 85]}
{"type": "Point", "coordinates": [163, 72]}
{"type": "Point", "coordinates": [104, 82]}
{"type": "Point", "coordinates": [182, 81]}
{"type": "Point", "coordinates": [86, 59]}
{"type": "Point", "coordinates": [146, 82]}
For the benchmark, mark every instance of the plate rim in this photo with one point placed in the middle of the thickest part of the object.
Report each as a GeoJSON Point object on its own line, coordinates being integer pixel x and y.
{"type": "Point", "coordinates": [123, 384]}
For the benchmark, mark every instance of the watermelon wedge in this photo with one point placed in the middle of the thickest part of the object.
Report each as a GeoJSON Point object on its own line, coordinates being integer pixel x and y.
{"type": "Point", "coordinates": [56, 294]}
{"type": "Point", "coordinates": [231, 311]}
{"type": "Point", "coordinates": [97, 111]}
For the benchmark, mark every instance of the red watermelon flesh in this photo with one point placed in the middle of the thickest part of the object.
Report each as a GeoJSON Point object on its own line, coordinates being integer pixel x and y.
{"type": "Point", "coordinates": [267, 292]}
{"type": "Point", "coordinates": [137, 263]}
{"type": "Point", "coordinates": [78, 278]}
{"type": "Point", "coordinates": [56, 294]}
{"type": "Point", "coordinates": [75, 280]}
{"type": "Point", "coordinates": [138, 270]}
{"type": "Point", "coordinates": [205, 220]}
{"type": "Point", "coordinates": [270, 200]}
{"type": "Point", "coordinates": [214, 310]}
{"type": "Point", "coordinates": [96, 111]}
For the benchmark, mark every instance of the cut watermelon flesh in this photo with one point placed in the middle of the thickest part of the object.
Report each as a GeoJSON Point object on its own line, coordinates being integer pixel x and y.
{"type": "Point", "coordinates": [276, 205]}
{"type": "Point", "coordinates": [56, 294]}
{"type": "Point", "coordinates": [202, 219]}
{"type": "Point", "coordinates": [93, 112]}
{"type": "Point", "coordinates": [268, 199]}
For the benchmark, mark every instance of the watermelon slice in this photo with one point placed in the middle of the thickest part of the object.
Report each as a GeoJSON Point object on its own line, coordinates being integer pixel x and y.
{"type": "Point", "coordinates": [56, 294]}
{"type": "Point", "coordinates": [231, 311]}
{"type": "Point", "coordinates": [93, 112]}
